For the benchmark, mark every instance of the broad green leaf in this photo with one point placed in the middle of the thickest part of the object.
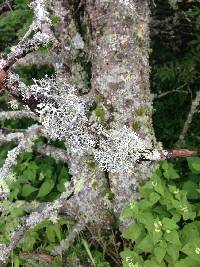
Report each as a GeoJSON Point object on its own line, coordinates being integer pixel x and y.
{"type": "Point", "coordinates": [186, 262]}
{"type": "Point", "coordinates": [17, 211]}
{"type": "Point", "coordinates": [151, 263]}
{"type": "Point", "coordinates": [132, 232]}
{"type": "Point", "coordinates": [157, 185]}
{"type": "Point", "coordinates": [173, 252]}
{"type": "Point", "coordinates": [64, 174]}
{"type": "Point", "coordinates": [145, 217]}
{"type": "Point", "coordinates": [192, 249]}
{"type": "Point", "coordinates": [45, 188]}
{"type": "Point", "coordinates": [16, 261]}
{"type": "Point", "coordinates": [146, 245]}
{"type": "Point", "coordinates": [191, 188]}
{"type": "Point", "coordinates": [144, 205]}
{"type": "Point", "coordinates": [169, 224]}
{"type": "Point", "coordinates": [154, 198]}
{"type": "Point", "coordinates": [156, 236]}
{"type": "Point", "coordinates": [50, 232]}
{"type": "Point", "coordinates": [130, 257]}
{"type": "Point", "coordinates": [172, 237]}
{"type": "Point", "coordinates": [28, 189]}
{"type": "Point", "coordinates": [159, 253]}
{"type": "Point", "coordinates": [194, 164]}
{"type": "Point", "coordinates": [169, 171]}
{"type": "Point", "coordinates": [190, 231]}
{"type": "Point", "coordinates": [61, 186]}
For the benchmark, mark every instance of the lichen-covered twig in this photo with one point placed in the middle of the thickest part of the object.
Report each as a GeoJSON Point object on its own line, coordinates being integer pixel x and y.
{"type": "Point", "coordinates": [11, 137]}
{"type": "Point", "coordinates": [48, 211]}
{"type": "Point", "coordinates": [193, 110]}
{"type": "Point", "coordinates": [54, 152]}
{"type": "Point", "coordinates": [10, 115]}
{"type": "Point", "coordinates": [23, 145]}
{"type": "Point", "coordinates": [23, 48]}
{"type": "Point", "coordinates": [171, 92]}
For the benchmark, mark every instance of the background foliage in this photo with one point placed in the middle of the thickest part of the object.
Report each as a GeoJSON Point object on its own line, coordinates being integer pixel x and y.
{"type": "Point", "coordinates": [170, 200]}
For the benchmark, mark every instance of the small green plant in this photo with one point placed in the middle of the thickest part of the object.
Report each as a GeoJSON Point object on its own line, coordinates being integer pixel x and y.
{"type": "Point", "coordinates": [166, 231]}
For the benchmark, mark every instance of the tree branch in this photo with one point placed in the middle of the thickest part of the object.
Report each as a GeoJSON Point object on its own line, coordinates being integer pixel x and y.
{"type": "Point", "coordinates": [11, 115]}
{"type": "Point", "coordinates": [48, 211]}
{"type": "Point", "coordinates": [193, 110]}
{"type": "Point", "coordinates": [54, 152]}
{"type": "Point", "coordinates": [23, 145]}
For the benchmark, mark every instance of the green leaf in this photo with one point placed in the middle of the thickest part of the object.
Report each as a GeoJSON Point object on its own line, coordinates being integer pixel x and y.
{"type": "Point", "coordinates": [28, 189]}
{"type": "Point", "coordinates": [169, 171]}
{"type": "Point", "coordinates": [16, 261]}
{"type": "Point", "coordinates": [61, 186]}
{"type": "Point", "coordinates": [130, 257]}
{"type": "Point", "coordinates": [191, 188]}
{"type": "Point", "coordinates": [156, 236]}
{"type": "Point", "coordinates": [50, 232]}
{"type": "Point", "coordinates": [146, 245]}
{"type": "Point", "coordinates": [86, 246]}
{"type": "Point", "coordinates": [17, 211]}
{"type": "Point", "coordinates": [172, 237]}
{"type": "Point", "coordinates": [190, 231]}
{"type": "Point", "coordinates": [192, 249]}
{"type": "Point", "coordinates": [159, 253]}
{"type": "Point", "coordinates": [57, 231]}
{"type": "Point", "coordinates": [169, 224]}
{"type": "Point", "coordinates": [173, 252]}
{"type": "Point", "coordinates": [194, 164]}
{"type": "Point", "coordinates": [45, 188]}
{"type": "Point", "coordinates": [132, 232]}
{"type": "Point", "coordinates": [127, 212]}
{"type": "Point", "coordinates": [151, 263]}
{"type": "Point", "coordinates": [154, 198]}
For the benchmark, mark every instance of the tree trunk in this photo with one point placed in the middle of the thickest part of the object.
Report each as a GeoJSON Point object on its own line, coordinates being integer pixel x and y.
{"type": "Point", "coordinates": [117, 47]}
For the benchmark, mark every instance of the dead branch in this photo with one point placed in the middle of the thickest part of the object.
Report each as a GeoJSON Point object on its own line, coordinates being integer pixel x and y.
{"type": "Point", "coordinates": [23, 145]}
{"type": "Point", "coordinates": [54, 152]}
{"type": "Point", "coordinates": [193, 110]}
{"type": "Point", "coordinates": [19, 114]}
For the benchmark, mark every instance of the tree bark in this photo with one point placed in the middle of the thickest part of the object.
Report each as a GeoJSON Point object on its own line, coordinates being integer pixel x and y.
{"type": "Point", "coordinates": [117, 47]}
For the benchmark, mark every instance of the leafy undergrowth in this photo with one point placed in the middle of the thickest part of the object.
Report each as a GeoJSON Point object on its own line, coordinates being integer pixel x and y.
{"type": "Point", "coordinates": [167, 228]}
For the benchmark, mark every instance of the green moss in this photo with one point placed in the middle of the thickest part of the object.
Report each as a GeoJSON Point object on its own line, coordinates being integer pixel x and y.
{"type": "Point", "coordinates": [91, 165]}
{"type": "Point", "coordinates": [55, 20]}
{"type": "Point", "coordinates": [141, 111]}
{"type": "Point", "coordinates": [100, 97]}
{"type": "Point", "coordinates": [136, 125]}
{"type": "Point", "coordinates": [100, 113]}
{"type": "Point", "coordinates": [94, 185]}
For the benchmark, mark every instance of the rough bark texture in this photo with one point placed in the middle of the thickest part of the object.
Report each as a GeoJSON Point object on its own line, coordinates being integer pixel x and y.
{"type": "Point", "coordinates": [113, 40]}
{"type": "Point", "coordinates": [119, 39]}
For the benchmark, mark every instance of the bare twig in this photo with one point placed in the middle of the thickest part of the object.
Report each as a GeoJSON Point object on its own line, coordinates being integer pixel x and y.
{"type": "Point", "coordinates": [23, 145]}
{"type": "Point", "coordinates": [171, 92]}
{"type": "Point", "coordinates": [8, 115]}
{"type": "Point", "coordinates": [193, 110]}
{"type": "Point", "coordinates": [12, 137]}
